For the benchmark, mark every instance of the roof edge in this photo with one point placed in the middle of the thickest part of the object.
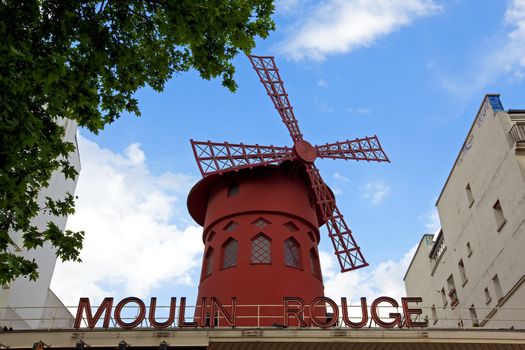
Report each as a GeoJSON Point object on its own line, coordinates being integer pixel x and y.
{"type": "Point", "coordinates": [413, 257]}
{"type": "Point", "coordinates": [495, 104]}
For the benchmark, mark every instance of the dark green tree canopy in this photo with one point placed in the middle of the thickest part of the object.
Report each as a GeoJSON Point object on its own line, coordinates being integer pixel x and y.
{"type": "Point", "coordinates": [84, 60]}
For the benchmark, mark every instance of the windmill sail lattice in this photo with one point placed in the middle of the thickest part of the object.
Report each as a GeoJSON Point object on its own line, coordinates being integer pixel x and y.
{"type": "Point", "coordinates": [217, 158]}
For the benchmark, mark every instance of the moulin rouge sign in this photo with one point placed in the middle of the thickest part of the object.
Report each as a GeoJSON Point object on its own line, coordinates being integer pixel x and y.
{"type": "Point", "coordinates": [293, 308]}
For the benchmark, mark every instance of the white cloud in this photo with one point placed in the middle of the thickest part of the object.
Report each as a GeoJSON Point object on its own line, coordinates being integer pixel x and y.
{"type": "Point", "coordinates": [507, 57]}
{"type": "Point", "coordinates": [338, 26]}
{"type": "Point", "coordinates": [519, 75]}
{"type": "Point", "coordinates": [375, 191]}
{"type": "Point", "coordinates": [339, 176]}
{"type": "Point", "coordinates": [364, 110]}
{"type": "Point", "coordinates": [337, 190]}
{"type": "Point", "coordinates": [385, 279]}
{"type": "Point", "coordinates": [431, 221]}
{"type": "Point", "coordinates": [286, 6]}
{"type": "Point", "coordinates": [322, 83]}
{"type": "Point", "coordinates": [132, 243]}
{"type": "Point", "coordinates": [135, 154]}
{"type": "Point", "coordinates": [360, 110]}
{"type": "Point", "coordinates": [323, 107]}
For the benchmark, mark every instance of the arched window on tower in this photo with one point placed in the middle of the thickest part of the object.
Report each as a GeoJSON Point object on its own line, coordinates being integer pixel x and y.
{"type": "Point", "coordinates": [314, 263]}
{"type": "Point", "coordinates": [312, 237]}
{"type": "Point", "coordinates": [292, 256]}
{"type": "Point", "coordinates": [261, 249]}
{"type": "Point", "coordinates": [233, 189]}
{"type": "Point", "coordinates": [230, 250]}
{"type": "Point", "coordinates": [208, 263]}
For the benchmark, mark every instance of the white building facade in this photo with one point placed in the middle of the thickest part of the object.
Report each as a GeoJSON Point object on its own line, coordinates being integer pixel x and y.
{"type": "Point", "coordinates": [26, 304]}
{"type": "Point", "coordinates": [472, 273]}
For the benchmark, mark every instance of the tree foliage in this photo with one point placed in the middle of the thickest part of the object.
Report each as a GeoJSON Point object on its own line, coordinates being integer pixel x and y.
{"type": "Point", "coordinates": [84, 60]}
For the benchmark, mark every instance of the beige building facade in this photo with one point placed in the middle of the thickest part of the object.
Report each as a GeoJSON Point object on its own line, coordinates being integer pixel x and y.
{"type": "Point", "coordinates": [471, 273]}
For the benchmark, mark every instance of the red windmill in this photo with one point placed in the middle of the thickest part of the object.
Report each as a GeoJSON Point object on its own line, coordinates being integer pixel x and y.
{"type": "Point", "coordinates": [271, 211]}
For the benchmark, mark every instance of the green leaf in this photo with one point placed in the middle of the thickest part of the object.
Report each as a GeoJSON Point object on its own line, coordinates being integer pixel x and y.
{"type": "Point", "coordinates": [85, 61]}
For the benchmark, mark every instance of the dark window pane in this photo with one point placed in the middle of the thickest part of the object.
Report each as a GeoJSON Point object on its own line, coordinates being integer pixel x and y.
{"type": "Point", "coordinates": [261, 222]}
{"type": "Point", "coordinates": [261, 250]}
{"type": "Point", "coordinates": [291, 226]}
{"type": "Point", "coordinates": [208, 264]}
{"type": "Point", "coordinates": [291, 253]}
{"type": "Point", "coordinates": [231, 226]}
{"type": "Point", "coordinates": [233, 189]}
{"type": "Point", "coordinates": [230, 253]}
{"type": "Point", "coordinates": [314, 262]}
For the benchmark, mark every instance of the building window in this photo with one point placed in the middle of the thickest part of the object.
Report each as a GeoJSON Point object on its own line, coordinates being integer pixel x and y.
{"type": "Point", "coordinates": [208, 263]}
{"type": "Point", "coordinates": [314, 263]}
{"type": "Point", "coordinates": [261, 222]}
{"type": "Point", "coordinates": [261, 249]}
{"type": "Point", "coordinates": [452, 293]}
{"type": "Point", "coordinates": [473, 316]}
{"type": "Point", "coordinates": [462, 272]}
{"type": "Point", "coordinates": [233, 189]}
{"type": "Point", "coordinates": [230, 226]}
{"type": "Point", "coordinates": [312, 237]}
{"type": "Point", "coordinates": [230, 250]}
{"type": "Point", "coordinates": [497, 287]}
{"type": "Point", "coordinates": [498, 214]}
{"type": "Point", "coordinates": [444, 297]}
{"type": "Point", "coordinates": [434, 314]}
{"type": "Point", "coordinates": [470, 197]}
{"type": "Point", "coordinates": [292, 253]}
{"type": "Point", "coordinates": [291, 226]}
{"type": "Point", "coordinates": [488, 298]}
{"type": "Point", "coordinates": [469, 250]}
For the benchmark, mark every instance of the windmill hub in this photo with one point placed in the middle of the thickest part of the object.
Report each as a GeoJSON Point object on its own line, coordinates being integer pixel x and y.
{"type": "Point", "coordinates": [305, 151]}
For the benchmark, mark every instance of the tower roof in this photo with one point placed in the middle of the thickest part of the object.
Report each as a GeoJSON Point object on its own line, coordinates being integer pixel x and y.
{"type": "Point", "coordinates": [198, 197]}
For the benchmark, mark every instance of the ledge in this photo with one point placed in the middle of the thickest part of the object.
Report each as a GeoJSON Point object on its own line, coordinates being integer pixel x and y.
{"type": "Point", "coordinates": [99, 338]}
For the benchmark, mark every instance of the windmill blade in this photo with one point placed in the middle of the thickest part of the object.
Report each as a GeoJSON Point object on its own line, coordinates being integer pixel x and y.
{"type": "Point", "coordinates": [367, 148]}
{"type": "Point", "coordinates": [215, 157]}
{"type": "Point", "coordinates": [271, 79]}
{"type": "Point", "coordinates": [346, 249]}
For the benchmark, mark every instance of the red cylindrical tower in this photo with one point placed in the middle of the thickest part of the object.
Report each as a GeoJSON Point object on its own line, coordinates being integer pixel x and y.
{"type": "Point", "coordinates": [261, 231]}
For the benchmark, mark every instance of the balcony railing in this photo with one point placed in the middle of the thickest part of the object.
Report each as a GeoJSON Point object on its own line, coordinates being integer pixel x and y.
{"type": "Point", "coordinates": [517, 132]}
{"type": "Point", "coordinates": [50, 318]}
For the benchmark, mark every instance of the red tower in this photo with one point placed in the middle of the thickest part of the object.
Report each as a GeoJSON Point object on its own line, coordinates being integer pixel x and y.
{"type": "Point", "coordinates": [261, 208]}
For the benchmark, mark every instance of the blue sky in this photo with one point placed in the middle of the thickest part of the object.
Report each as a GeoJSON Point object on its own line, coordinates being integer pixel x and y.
{"type": "Point", "coordinates": [414, 72]}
